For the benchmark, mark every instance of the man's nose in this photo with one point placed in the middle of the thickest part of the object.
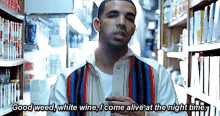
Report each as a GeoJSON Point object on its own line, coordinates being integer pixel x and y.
{"type": "Point", "coordinates": [121, 20]}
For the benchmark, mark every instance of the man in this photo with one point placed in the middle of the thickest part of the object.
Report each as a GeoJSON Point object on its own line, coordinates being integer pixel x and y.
{"type": "Point", "coordinates": [113, 75]}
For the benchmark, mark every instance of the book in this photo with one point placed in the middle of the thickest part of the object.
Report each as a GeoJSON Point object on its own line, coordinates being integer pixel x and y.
{"type": "Point", "coordinates": [201, 74]}
{"type": "Point", "coordinates": [218, 84]}
{"type": "Point", "coordinates": [184, 72]}
{"type": "Point", "coordinates": [192, 80]}
{"type": "Point", "coordinates": [207, 112]}
{"type": "Point", "coordinates": [212, 111]}
{"type": "Point", "coordinates": [218, 112]}
{"type": "Point", "coordinates": [202, 113]}
{"type": "Point", "coordinates": [196, 71]}
{"type": "Point", "coordinates": [213, 78]}
{"type": "Point", "coordinates": [191, 31]}
{"type": "Point", "coordinates": [193, 101]}
{"type": "Point", "coordinates": [198, 27]}
{"type": "Point", "coordinates": [206, 75]}
{"type": "Point", "coordinates": [216, 21]}
{"type": "Point", "coordinates": [197, 102]}
{"type": "Point", "coordinates": [211, 22]}
{"type": "Point", "coordinates": [206, 24]}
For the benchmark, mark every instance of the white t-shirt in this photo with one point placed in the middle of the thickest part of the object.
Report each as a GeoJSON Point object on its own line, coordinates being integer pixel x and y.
{"type": "Point", "coordinates": [107, 85]}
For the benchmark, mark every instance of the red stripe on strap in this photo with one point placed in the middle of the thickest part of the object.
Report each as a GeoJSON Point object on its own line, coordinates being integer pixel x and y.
{"type": "Point", "coordinates": [152, 85]}
{"type": "Point", "coordinates": [86, 85]}
{"type": "Point", "coordinates": [68, 87]}
{"type": "Point", "coordinates": [130, 78]}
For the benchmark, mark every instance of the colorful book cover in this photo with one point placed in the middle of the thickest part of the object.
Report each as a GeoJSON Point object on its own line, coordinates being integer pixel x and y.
{"type": "Point", "coordinates": [198, 27]}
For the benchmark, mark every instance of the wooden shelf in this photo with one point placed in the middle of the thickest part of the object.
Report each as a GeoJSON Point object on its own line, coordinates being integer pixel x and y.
{"type": "Point", "coordinates": [10, 63]}
{"type": "Point", "coordinates": [178, 55]}
{"type": "Point", "coordinates": [204, 47]}
{"type": "Point", "coordinates": [8, 109]}
{"type": "Point", "coordinates": [182, 21]}
{"type": "Point", "coordinates": [200, 4]}
{"type": "Point", "coordinates": [193, 92]}
{"type": "Point", "coordinates": [10, 14]}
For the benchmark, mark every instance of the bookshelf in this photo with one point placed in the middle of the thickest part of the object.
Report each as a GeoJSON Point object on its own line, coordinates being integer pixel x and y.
{"type": "Point", "coordinates": [178, 55]}
{"type": "Point", "coordinates": [193, 92]}
{"type": "Point", "coordinates": [179, 22]}
{"type": "Point", "coordinates": [199, 4]}
{"type": "Point", "coordinates": [10, 14]}
{"type": "Point", "coordinates": [204, 47]}
{"type": "Point", "coordinates": [15, 65]}
{"type": "Point", "coordinates": [10, 63]}
{"type": "Point", "coordinates": [203, 73]}
{"type": "Point", "coordinates": [7, 109]}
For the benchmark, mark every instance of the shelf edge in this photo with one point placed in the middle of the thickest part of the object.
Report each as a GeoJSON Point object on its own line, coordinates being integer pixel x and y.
{"type": "Point", "coordinates": [203, 97]}
{"type": "Point", "coordinates": [203, 47]}
{"type": "Point", "coordinates": [7, 109]}
{"type": "Point", "coordinates": [179, 21]}
{"type": "Point", "coordinates": [10, 63]}
{"type": "Point", "coordinates": [178, 55]}
{"type": "Point", "coordinates": [11, 12]}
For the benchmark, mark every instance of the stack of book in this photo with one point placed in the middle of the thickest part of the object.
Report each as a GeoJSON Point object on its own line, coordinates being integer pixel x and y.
{"type": "Point", "coordinates": [10, 39]}
{"type": "Point", "coordinates": [205, 78]}
{"type": "Point", "coordinates": [205, 24]}
{"type": "Point", "coordinates": [12, 4]}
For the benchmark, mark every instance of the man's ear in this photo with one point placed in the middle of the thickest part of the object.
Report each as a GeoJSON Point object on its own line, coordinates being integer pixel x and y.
{"type": "Point", "coordinates": [97, 24]}
{"type": "Point", "coordinates": [134, 29]}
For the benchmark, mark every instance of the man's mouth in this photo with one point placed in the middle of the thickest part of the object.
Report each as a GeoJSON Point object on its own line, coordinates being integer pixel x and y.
{"type": "Point", "coordinates": [121, 33]}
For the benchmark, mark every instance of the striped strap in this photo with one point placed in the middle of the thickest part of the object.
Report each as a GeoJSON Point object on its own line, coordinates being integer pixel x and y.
{"type": "Point", "coordinates": [141, 82]}
{"type": "Point", "coordinates": [77, 83]}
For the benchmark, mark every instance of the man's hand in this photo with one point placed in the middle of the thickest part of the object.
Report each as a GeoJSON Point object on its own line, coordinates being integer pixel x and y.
{"type": "Point", "coordinates": [121, 100]}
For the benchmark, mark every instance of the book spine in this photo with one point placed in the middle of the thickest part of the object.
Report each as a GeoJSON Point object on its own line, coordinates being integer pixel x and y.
{"type": "Point", "coordinates": [206, 25]}
{"type": "Point", "coordinates": [211, 22]}
{"type": "Point", "coordinates": [191, 31]}
{"type": "Point", "coordinates": [216, 18]}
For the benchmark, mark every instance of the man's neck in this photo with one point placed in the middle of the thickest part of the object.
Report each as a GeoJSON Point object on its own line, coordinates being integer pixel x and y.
{"type": "Point", "coordinates": [106, 57]}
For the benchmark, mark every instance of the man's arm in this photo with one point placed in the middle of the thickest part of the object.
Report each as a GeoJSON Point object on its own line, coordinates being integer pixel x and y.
{"type": "Point", "coordinates": [165, 93]}
{"type": "Point", "coordinates": [59, 96]}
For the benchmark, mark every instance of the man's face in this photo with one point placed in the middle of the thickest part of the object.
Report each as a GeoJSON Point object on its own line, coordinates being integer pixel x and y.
{"type": "Point", "coordinates": [117, 23]}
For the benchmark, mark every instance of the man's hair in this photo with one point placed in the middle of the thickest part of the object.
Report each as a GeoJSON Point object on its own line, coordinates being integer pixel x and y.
{"type": "Point", "coordinates": [102, 6]}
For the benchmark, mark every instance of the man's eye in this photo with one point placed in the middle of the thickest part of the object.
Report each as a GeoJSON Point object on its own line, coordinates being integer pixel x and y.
{"type": "Point", "coordinates": [112, 15]}
{"type": "Point", "coordinates": [130, 19]}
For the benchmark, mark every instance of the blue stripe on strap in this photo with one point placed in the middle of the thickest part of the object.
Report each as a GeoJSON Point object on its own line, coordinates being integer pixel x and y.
{"type": "Point", "coordinates": [140, 82]}
{"type": "Point", "coordinates": [72, 100]}
{"type": "Point", "coordinates": [148, 82]}
{"type": "Point", "coordinates": [82, 89]}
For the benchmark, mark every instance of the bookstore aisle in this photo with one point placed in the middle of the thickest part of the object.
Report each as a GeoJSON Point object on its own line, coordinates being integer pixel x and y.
{"type": "Point", "coordinates": [192, 51]}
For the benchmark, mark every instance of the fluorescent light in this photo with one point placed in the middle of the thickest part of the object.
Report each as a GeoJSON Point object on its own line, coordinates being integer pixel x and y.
{"type": "Point", "coordinates": [158, 11]}
{"type": "Point", "coordinates": [151, 25]}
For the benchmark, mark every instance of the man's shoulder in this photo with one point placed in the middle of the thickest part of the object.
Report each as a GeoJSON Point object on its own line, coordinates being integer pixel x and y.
{"type": "Point", "coordinates": [151, 62]}
{"type": "Point", "coordinates": [70, 70]}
